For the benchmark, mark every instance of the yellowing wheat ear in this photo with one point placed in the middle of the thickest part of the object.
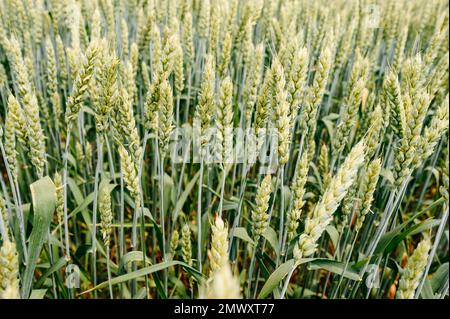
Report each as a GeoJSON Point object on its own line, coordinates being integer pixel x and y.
{"type": "Point", "coordinates": [9, 270]}
{"type": "Point", "coordinates": [223, 285]}
{"type": "Point", "coordinates": [219, 245]}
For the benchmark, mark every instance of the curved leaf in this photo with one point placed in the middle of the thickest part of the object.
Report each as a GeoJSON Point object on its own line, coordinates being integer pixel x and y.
{"type": "Point", "coordinates": [275, 278]}
{"type": "Point", "coordinates": [43, 195]}
{"type": "Point", "coordinates": [336, 267]}
{"type": "Point", "coordinates": [146, 271]}
{"type": "Point", "coordinates": [241, 233]}
{"type": "Point", "coordinates": [271, 237]}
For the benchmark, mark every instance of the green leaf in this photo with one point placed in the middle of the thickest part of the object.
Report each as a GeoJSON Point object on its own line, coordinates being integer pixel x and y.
{"type": "Point", "coordinates": [168, 188]}
{"type": "Point", "coordinates": [86, 202]}
{"type": "Point", "coordinates": [146, 271]}
{"type": "Point", "coordinates": [275, 278]}
{"type": "Point", "coordinates": [415, 229]}
{"type": "Point", "coordinates": [184, 196]}
{"type": "Point", "coordinates": [80, 200]}
{"type": "Point", "coordinates": [131, 257]}
{"type": "Point", "coordinates": [241, 233]}
{"type": "Point", "coordinates": [271, 237]}
{"type": "Point", "coordinates": [439, 277]}
{"type": "Point", "coordinates": [336, 267]}
{"type": "Point", "coordinates": [390, 235]}
{"type": "Point", "coordinates": [61, 262]}
{"type": "Point", "coordinates": [425, 226]}
{"type": "Point", "coordinates": [427, 290]}
{"type": "Point", "coordinates": [230, 204]}
{"type": "Point", "coordinates": [43, 195]}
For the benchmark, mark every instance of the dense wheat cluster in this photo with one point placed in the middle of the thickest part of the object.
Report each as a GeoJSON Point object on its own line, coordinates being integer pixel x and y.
{"type": "Point", "coordinates": [224, 149]}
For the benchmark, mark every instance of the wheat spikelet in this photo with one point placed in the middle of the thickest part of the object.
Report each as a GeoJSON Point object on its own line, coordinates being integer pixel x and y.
{"type": "Point", "coordinates": [368, 187]}
{"type": "Point", "coordinates": [106, 217]}
{"type": "Point", "coordinates": [17, 116]}
{"type": "Point", "coordinates": [227, 47]}
{"type": "Point", "coordinates": [316, 91]}
{"type": "Point", "coordinates": [125, 124]}
{"type": "Point", "coordinates": [57, 180]}
{"type": "Point", "coordinates": [124, 43]}
{"type": "Point", "coordinates": [82, 81]}
{"type": "Point", "coordinates": [4, 215]}
{"type": "Point", "coordinates": [204, 19]}
{"type": "Point", "coordinates": [178, 67]}
{"type": "Point", "coordinates": [3, 77]}
{"type": "Point", "coordinates": [146, 28]}
{"type": "Point", "coordinates": [296, 80]}
{"type": "Point", "coordinates": [9, 270]}
{"type": "Point", "coordinates": [262, 110]}
{"type": "Point", "coordinates": [165, 116]}
{"type": "Point", "coordinates": [260, 216]}
{"type": "Point", "coordinates": [405, 157]}
{"type": "Point", "coordinates": [52, 80]}
{"type": "Point", "coordinates": [374, 132]}
{"type": "Point", "coordinates": [174, 241]}
{"type": "Point", "coordinates": [298, 191]}
{"type": "Point", "coordinates": [412, 87]}
{"type": "Point", "coordinates": [225, 122]}
{"type": "Point", "coordinates": [414, 270]}
{"type": "Point", "coordinates": [187, 40]}
{"type": "Point", "coordinates": [347, 119]}
{"type": "Point", "coordinates": [107, 99]}
{"type": "Point", "coordinates": [35, 133]}
{"type": "Point", "coordinates": [186, 245]}
{"type": "Point", "coordinates": [393, 98]}
{"type": "Point", "coordinates": [206, 104]}
{"type": "Point", "coordinates": [214, 27]}
{"type": "Point", "coordinates": [400, 47]}
{"type": "Point", "coordinates": [218, 255]}
{"type": "Point", "coordinates": [252, 83]}
{"type": "Point", "coordinates": [323, 212]}
{"type": "Point", "coordinates": [324, 165]}
{"type": "Point", "coordinates": [280, 111]}
{"type": "Point", "coordinates": [128, 167]}
{"type": "Point", "coordinates": [432, 133]}
{"type": "Point", "coordinates": [10, 138]}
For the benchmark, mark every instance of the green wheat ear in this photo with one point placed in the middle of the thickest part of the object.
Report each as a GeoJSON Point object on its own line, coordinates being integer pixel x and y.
{"type": "Point", "coordinates": [260, 216]}
{"type": "Point", "coordinates": [323, 212]}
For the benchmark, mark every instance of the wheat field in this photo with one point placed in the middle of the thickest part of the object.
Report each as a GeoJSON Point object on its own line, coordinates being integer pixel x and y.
{"type": "Point", "coordinates": [224, 149]}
